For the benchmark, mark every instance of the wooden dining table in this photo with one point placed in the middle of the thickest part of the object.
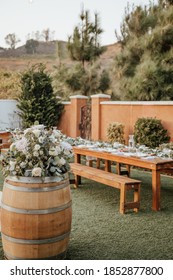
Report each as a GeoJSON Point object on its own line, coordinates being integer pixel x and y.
{"type": "Point", "coordinates": [155, 164]}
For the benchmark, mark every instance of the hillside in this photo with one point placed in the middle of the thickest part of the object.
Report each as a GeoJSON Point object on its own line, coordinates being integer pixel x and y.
{"type": "Point", "coordinates": [13, 62]}
{"type": "Point", "coordinates": [18, 59]}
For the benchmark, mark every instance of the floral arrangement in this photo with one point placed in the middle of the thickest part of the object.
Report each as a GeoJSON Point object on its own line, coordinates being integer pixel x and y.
{"type": "Point", "coordinates": [37, 152]}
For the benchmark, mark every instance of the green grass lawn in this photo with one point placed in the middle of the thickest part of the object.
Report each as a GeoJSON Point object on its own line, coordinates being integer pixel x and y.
{"type": "Point", "coordinates": [100, 232]}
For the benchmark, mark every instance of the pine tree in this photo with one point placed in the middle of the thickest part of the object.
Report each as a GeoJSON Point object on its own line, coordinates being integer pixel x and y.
{"type": "Point", "coordinates": [37, 101]}
{"type": "Point", "coordinates": [84, 44]}
{"type": "Point", "coordinates": [144, 68]}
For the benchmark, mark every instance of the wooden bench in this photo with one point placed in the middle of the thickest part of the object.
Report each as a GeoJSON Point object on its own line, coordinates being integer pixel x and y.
{"type": "Point", "coordinates": [111, 179]}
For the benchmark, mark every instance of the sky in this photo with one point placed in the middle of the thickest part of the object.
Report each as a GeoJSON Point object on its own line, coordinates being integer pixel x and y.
{"type": "Point", "coordinates": [24, 17]}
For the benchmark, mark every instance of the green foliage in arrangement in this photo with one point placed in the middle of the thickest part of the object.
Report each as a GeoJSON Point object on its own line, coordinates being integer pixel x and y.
{"type": "Point", "coordinates": [150, 132]}
{"type": "Point", "coordinates": [115, 132]}
{"type": "Point", "coordinates": [37, 101]}
{"type": "Point", "coordinates": [144, 67]}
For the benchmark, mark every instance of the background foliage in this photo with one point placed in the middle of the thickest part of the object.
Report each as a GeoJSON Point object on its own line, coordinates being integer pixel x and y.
{"type": "Point", "coordinates": [37, 101]}
{"type": "Point", "coordinates": [9, 84]}
{"type": "Point", "coordinates": [138, 67]}
{"type": "Point", "coordinates": [144, 67]}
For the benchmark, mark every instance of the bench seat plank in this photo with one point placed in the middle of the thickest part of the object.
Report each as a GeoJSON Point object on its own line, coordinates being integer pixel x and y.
{"type": "Point", "coordinates": [101, 176]}
{"type": "Point", "coordinates": [111, 179]}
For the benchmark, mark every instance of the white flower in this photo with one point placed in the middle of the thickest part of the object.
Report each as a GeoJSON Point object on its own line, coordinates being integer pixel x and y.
{"type": "Point", "coordinates": [36, 172]}
{"type": "Point", "coordinates": [58, 150]}
{"type": "Point", "coordinates": [37, 147]}
{"type": "Point", "coordinates": [27, 130]}
{"type": "Point", "coordinates": [67, 152]}
{"type": "Point", "coordinates": [23, 164]}
{"type": "Point", "coordinates": [41, 139]}
{"type": "Point", "coordinates": [12, 165]}
{"type": "Point", "coordinates": [36, 132]}
{"type": "Point", "coordinates": [38, 126]}
{"type": "Point", "coordinates": [21, 145]}
{"type": "Point", "coordinates": [35, 154]}
{"type": "Point", "coordinates": [28, 156]}
{"type": "Point", "coordinates": [54, 151]}
{"type": "Point", "coordinates": [57, 133]}
{"type": "Point", "coordinates": [52, 138]}
{"type": "Point", "coordinates": [66, 146]}
{"type": "Point", "coordinates": [61, 161]}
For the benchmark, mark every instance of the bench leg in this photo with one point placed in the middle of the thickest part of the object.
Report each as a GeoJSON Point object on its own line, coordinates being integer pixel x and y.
{"type": "Point", "coordinates": [77, 180]}
{"type": "Point", "coordinates": [122, 199]}
{"type": "Point", "coordinates": [137, 196]}
{"type": "Point", "coordinates": [129, 205]}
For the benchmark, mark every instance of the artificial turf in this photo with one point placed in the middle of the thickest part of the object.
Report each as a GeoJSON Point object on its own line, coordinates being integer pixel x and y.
{"type": "Point", "coordinates": [100, 232]}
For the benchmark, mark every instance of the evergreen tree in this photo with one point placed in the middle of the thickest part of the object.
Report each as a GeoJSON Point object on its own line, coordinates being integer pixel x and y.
{"type": "Point", "coordinates": [104, 81]}
{"type": "Point", "coordinates": [81, 80]}
{"type": "Point", "coordinates": [84, 44]}
{"type": "Point", "coordinates": [37, 101]}
{"type": "Point", "coordinates": [144, 68]}
{"type": "Point", "coordinates": [78, 80]}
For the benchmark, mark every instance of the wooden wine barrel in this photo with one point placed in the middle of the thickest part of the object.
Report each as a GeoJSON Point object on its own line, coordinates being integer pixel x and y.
{"type": "Point", "coordinates": [35, 217]}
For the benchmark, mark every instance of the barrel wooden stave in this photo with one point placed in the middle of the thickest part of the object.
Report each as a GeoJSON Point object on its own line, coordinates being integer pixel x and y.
{"type": "Point", "coordinates": [35, 199]}
{"type": "Point", "coordinates": [50, 225]}
{"type": "Point", "coordinates": [15, 251]}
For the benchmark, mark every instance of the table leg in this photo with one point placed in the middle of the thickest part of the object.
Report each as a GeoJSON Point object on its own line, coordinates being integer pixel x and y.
{"type": "Point", "coordinates": [124, 172]}
{"type": "Point", "coordinates": [98, 163]}
{"type": "Point", "coordinates": [118, 168]}
{"type": "Point", "coordinates": [107, 165]}
{"type": "Point", "coordinates": [77, 180]}
{"type": "Point", "coordinates": [155, 190]}
{"type": "Point", "coordinates": [128, 170]}
{"type": "Point", "coordinates": [77, 159]}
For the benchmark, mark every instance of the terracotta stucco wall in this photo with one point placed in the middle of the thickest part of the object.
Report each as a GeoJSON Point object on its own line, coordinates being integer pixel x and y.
{"type": "Point", "coordinates": [69, 123]}
{"type": "Point", "coordinates": [128, 113]}
{"type": "Point", "coordinates": [105, 111]}
{"type": "Point", "coordinates": [64, 121]}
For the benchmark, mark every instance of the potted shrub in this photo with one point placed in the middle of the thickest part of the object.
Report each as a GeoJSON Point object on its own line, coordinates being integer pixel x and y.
{"type": "Point", "coordinates": [115, 132]}
{"type": "Point", "coordinates": [36, 199]}
{"type": "Point", "coordinates": [150, 132]}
